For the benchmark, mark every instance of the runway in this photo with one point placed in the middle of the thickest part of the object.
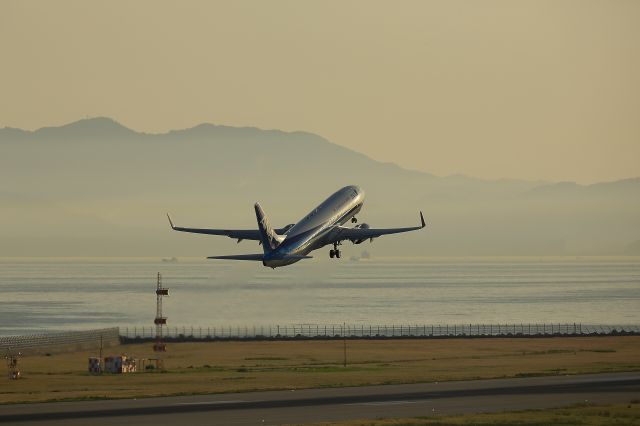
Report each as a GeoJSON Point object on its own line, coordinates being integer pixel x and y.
{"type": "Point", "coordinates": [334, 404]}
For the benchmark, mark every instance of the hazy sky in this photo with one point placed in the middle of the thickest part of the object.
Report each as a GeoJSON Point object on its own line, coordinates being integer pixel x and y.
{"type": "Point", "coordinates": [525, 89]}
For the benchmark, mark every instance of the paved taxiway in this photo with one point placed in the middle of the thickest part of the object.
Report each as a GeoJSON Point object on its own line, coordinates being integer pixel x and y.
{"type": "Point", "coordinates": [314, 405]}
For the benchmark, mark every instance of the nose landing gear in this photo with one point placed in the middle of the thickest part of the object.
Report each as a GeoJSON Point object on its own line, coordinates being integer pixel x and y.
{"type": "Point", "coordinates": [354, 219]}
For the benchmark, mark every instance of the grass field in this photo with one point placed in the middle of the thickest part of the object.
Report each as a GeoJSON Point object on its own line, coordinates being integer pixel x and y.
{"type": "Point", "coordinates": [213, 367]}
{"type": "Point", "coordinates": [597, 415]}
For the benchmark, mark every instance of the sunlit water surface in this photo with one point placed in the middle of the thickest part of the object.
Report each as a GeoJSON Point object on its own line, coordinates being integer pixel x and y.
{"type": "Point", "coordinates": [61, 294]}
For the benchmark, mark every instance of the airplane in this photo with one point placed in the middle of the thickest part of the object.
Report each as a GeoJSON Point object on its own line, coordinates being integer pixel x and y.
{"type": "Point", "coordinates": [322, 226]}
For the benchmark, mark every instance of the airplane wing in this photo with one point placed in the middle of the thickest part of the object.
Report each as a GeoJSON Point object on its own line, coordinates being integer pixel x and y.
{"type": "Point", "coordinates": [238, 234]}
{"type": "Point", "coordinates": [356, 234]}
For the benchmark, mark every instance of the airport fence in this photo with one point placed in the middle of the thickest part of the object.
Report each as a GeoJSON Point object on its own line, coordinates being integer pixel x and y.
{"type": "Point", "coordinates": [317, 331]}
{"type": "Point", "coordinates": [61, 341]}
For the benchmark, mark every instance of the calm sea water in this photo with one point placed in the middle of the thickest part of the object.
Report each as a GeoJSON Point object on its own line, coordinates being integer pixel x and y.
{"type": "Point", "coordinates": [63, 294]}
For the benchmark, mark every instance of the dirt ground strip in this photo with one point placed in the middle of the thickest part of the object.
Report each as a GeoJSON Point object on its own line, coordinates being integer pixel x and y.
{"type": "Point", "coordinates": [215, 367]}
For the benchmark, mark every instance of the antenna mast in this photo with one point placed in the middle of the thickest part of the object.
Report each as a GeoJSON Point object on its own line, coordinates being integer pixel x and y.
{"type": "Point", "coordinates": [160, 321]}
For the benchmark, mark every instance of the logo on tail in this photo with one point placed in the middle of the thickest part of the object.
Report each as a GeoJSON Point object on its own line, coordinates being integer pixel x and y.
{"type": "Point", "coordinates": [270, 240]}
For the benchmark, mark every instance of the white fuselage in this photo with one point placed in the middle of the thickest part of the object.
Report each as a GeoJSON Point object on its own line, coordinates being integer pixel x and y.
{"type": "Point", "coordinates": [313, 231]}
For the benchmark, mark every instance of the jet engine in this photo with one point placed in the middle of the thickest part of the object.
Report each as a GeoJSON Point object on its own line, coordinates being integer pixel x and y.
{"type": "Point", "coordinates": [361, 240]}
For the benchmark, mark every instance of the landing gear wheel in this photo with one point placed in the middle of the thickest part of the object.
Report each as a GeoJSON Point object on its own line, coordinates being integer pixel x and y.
{"type": "Point", "coordinates": [335, 252]}
{"type": "Point", "coordinates": [354, 219]}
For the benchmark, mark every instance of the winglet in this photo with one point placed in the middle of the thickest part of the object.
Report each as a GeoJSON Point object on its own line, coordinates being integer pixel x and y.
{"type": "Point", "coordinates": [170, 222]}
{"type": "Point", "coordinates": [422, 220]}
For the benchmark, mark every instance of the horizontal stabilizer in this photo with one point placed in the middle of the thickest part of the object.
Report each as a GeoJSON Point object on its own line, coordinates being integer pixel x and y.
{"type": "Point", "coordinates": [258, 257]}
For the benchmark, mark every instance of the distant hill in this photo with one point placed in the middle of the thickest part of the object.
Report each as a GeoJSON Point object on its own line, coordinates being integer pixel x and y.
{"type": "Point", "coordinates": [95, 187]}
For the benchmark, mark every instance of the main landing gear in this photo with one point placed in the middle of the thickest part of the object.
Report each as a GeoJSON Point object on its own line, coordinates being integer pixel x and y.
{"type": "Point", "coordinates": [334, 252]}
{"type": "Point", "coordinates": [354, 219]}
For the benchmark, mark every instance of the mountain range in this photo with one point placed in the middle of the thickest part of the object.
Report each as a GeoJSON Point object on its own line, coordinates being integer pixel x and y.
{"type": "Point", "coordinates": [97, 188]}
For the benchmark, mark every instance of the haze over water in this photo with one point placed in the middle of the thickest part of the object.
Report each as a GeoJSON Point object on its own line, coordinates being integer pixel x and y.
{"type": "Point", "coordinates": [60, 294]}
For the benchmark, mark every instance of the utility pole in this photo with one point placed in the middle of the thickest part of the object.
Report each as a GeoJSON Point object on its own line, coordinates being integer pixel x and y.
{"type": "Point", "coordinates": [344, 340]}
{"type": "Point", "coordinates": [100, 359]}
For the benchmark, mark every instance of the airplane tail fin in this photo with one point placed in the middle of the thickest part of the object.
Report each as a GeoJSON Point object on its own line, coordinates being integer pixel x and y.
{"type": "Point", "coordinates": [270, 240]}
